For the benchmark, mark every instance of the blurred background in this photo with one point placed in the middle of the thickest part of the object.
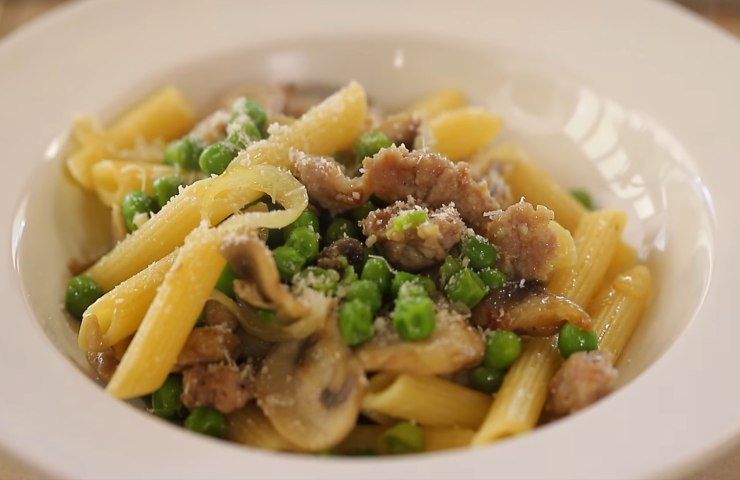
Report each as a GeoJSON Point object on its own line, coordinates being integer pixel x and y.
{"type": "Point", "coordinates": [723, 13]}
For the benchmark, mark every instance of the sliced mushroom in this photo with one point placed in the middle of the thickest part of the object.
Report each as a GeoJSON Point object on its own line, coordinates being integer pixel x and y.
{"type": "Point", "coordinates": [311, 389]}
{"type": "Point", "coordinates": [529, 308]}
{"type": "Point", "coordinates": [453, 346]}
{"type": "Point", "coordinates": [260, 285]}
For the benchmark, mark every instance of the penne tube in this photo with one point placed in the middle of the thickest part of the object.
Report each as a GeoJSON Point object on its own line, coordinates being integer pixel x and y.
{"type": "Point", "coordinates": [165, 115]}
{"type": "Point", "coordinates": [364, 439]}
{"type": "Point", "coordinates": [249, 426]}
{"type": "Point", "coordinates": [330, 126]}
{"type": "Point", "coordinates": [617, 310]}
{"type": "Point", "coordinates": [171, 316]}
{"type": "Point", "coordinates": [596, 239]}
{"type": "Point", "coordinates": [446, 438]}
{"type": "Point", "coordinates": [426, 400]}
{"type": "Point", "coordinates": [459, 133]}
{"type": "Point", "coordinates": [117, 314]}
{"type": "Point", "coordinates": [518, 403]}
{"type": "Point", "coordinates": [158, 237]}
{"type": "Point", "coordinates": [438, 102]}
{"type": "Point", "coordinates": [114, 179]}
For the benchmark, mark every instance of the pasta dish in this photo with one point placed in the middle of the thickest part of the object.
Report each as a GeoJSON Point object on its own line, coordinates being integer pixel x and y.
{"type": "Point", "coordinates": [299, 271]}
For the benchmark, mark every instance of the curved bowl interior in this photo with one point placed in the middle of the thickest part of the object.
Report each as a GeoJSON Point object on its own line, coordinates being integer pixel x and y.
{"type": "Point", "coordinates": [585, 140]}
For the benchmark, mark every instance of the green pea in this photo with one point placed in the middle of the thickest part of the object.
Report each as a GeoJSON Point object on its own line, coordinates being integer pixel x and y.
{"type": "Point", "coordinates": [371, 143]}
{"type": "Point", "coordinates": [478, 251]}
{"type": "Point", "coordinates": [226, 281]}
{"type": "Point", "coordinates": [486, 380]}
{"type": "Point", "coordinates": [166, 401]}
{"type": "Point", "coordinates": [377, 270]}
{"type": "Point", "coordinates": [493, 277]}
{"type": "Point", "coordinates": [184, 153]}
{"type": "Point", "coordinates": [341, 228]}
{"type": "Point", "coordinates": [134, 203]}
{"type": "Point", "coordinates": [583, 197]}
{"type": "Point", "coordinates": [466, 287]}
{"type": "Point", "coordinates": [414, 317]}
{"type": "Point", "coordinates": [207, 421]}
{"type": "Point", "coordinates": [166, 187]}
{"type": "Point", "coordinates": [402, 438]}
{"type": "Point", "coordinates": [241, 135]}
{"type": "Point", "coordinates": [266, 315]}
{"type": "Point", "coordinates": [407, 221]}
{"type": "Point", "coordinates": [289, 262]}
{"type": "Point", "coordinates": [305, 241]}
{"type": "Point", "coordinates": [366, 291]}
{"type": "Point", "coordinates": [450, 267]}
{"type": "Point", "coordinates": [252, 109]}
{"type": "Point", "coordinates": [320, 279]}
{"type": "Point", "coordinates": [306, 219]}
{"type": "Point", "coordinates": [573, 339]}
{"type": "Point", "coordinates": [360, 213]}
{"type": "Point", "coordinates": [356, 322]}
{"type": "Point", "coordinates": [82, 292]}
{"type": "Point", "coordinates": [503, 348]}
{"type": "Point", "coordinates": [412, 289]}
{"type": "Point", "coordinates": [349, 275]}
{"type": "Point", "coordinates": [404, 277]}
{"type": "Point", "coordinates": [216, 157]}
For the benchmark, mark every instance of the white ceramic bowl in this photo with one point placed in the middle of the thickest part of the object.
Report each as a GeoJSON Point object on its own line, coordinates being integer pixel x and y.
{"type": "Point", "coordinates": [636, 101]}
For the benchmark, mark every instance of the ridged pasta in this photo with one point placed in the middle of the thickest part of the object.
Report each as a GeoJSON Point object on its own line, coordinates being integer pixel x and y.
{"type": "Point", "coordinates": [616, 310]}
{"type": "Point", "coordinates": [426, 400]}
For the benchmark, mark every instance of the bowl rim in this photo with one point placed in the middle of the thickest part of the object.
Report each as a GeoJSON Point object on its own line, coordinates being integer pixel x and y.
{"type": "Point", "coordinates": [669, 441]}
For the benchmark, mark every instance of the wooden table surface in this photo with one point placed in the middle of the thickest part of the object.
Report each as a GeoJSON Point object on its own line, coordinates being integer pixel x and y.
{"type": "Point", "coordinates": [724, 13]}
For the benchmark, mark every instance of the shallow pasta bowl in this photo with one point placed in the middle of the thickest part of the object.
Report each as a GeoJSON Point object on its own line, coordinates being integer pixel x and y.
{"type": "Point", "coordinates": [645, 121]}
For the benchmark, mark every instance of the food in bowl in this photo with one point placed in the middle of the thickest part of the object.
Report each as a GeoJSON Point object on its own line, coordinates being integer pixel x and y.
{"type": "Point", "coordinates": [306, 274]}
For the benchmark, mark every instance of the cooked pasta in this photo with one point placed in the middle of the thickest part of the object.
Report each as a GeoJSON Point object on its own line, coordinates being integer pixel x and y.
{"type": "Point", "coordinates": [618, 308]}
{"type": "Point", "coordinates": [165, 115]}
{"type": "Point", "coordinates": [295, 274]}
{"type": "Point", "coordinates": [427, 400]}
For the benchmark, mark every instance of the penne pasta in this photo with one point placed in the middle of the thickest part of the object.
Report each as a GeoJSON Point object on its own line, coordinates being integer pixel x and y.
{"type": "Point", "coordinates": [446, 438]}
{"type": "Point", "coordinates": [328, 127]}
{"type": "Point", "coordinates": [426, 400]}
{"type": "Point", "coordinates": [517, 405]}
{"type": "Point", "coordinates": [117, 314]}
{"type": "Point", "coordinates": [171, 316]}
{"type": "Point", "coordinates": [114, 179]}
{"type": "Point", "coordinates": [596, 239]}
{"type": "Point", "coordinates": [364, 439]}
{"type": "Point", "coordinates": [166, 115]}
{"type": "Point", "coordinates": [616, 311]}
{"type": "Point", "coordinates": [459, 133]}
{"type": "Point", "coordinates": [438, 102]}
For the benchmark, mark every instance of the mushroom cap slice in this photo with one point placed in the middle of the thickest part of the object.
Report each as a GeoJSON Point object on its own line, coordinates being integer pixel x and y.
{"type": "Point", "coordinates": [251, 260]}
{"type": "Point", "coordinates": [311, 389]}
{"type": "Point", "coordinates": [528, 308]}
{"type": "Point", "coordinates": [453, 346]}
